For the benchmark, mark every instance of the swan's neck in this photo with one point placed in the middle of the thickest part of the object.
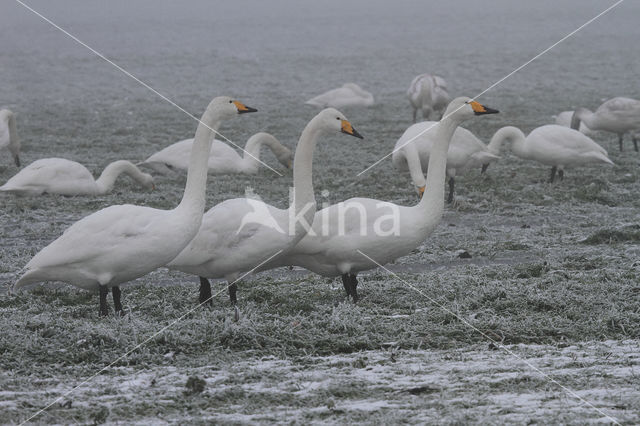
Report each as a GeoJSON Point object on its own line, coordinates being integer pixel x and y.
{"type": "Point", "coordinates": [433, 198]}
{"type": "Point", "coordinates": [512, 134]}
{"type": "Point", "coordinates": [584, 115]}
{"type": "Point", "coordinates": [193, 200]}
{"type": "Point", "coordinates": [110, 173]}
{"type": "Point", "coordinates": [251, 158]}
{"type": "Point", "coordinates": [414, 165]}
{"type": "Point", "coordinates": [304, 201]}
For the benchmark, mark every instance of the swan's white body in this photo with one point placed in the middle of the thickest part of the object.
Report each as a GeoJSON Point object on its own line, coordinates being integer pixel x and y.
{"type": "Point", "coordinates": [362, 233]}
{"type": "Point", "coordinates": [564, 119]}
{"type": "Point", "coordinates": [66, 177]}
{"type": "Point", "coordinates": [465, 151]}
{"type": "Point", "coordinates": [223, 159]}
{"type": "Point", "coordinates": [553, 145]}
{"type": "Point", "coordinates": [238, 235]}
{"type": "Point", "coordinates": [617, 115]}
{"type": "Point", "coordinates": [9, 135]}
{"type": "Point", "coordinates": [350, 94]}
{"type": "Point", "coordinates": [428, 93]}
{"type": "Point", "coordinates": [120, 243]}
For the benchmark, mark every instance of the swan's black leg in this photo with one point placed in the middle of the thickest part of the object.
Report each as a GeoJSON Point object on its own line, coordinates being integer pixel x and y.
{"type": "Point", "coordinates": [233, 288]}
{"type": "Point", "coordinates": [452, 183]}
{"type": "Point", "coordinates": [620, 141]}
{"type": "Point", "coordinates": [104, 309]}
{"type": "Point", "coordinates": [635, 143]}
{"type": "Point", "coordinates": [561, 174]}
{"type": "Point", "coordinates": [553, 174]}
{"type": "Point", "coordinates": [205, 292]}
{"type": "Point", "coordinates": [115, 292]}
{"type": "Point", "coordinates": [346, 282]}
{"type": "Point", "coordinates": [354, 287]}
{"type": "Point", "coordinates": [484, 168]}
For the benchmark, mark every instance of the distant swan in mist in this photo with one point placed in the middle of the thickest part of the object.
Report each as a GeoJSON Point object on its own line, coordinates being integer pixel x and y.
{"type": "Point", "coordinates": [66, 177]}
{"type": "Point", "coordinates": [564, 119]}
{"type": "Point", "coordinates": [617, 115]}
{"type": "Point", "coordinates": [466, 151]}
{"type": "Point", "coordinates": [428, 93]}
{"type": "Point", "coordinates": [350, 94]}
{"type": "Point", "coordinates": [9, 135]}
{"type": "Point", "coordinates": [553, 145]}
{"type": "Point", "coordinates": [223, 159]}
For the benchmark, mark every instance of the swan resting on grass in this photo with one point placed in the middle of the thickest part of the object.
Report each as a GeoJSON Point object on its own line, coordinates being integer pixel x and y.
{"type": "Point", "coordinates": [350, 94]}
{"type": "Point", "coordinates": [239, 235]}
{"type": "Point", "coordinates": [223, 159]}
{"type": "Point", "coordinates": [120, 243]}
{"type": "Point", "coordinates": [66, 177]}
{"type": "Point", "coordinates": [363, 233]}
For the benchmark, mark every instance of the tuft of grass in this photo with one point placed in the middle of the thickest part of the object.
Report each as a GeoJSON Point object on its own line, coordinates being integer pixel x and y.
{"type": "Point", "coordinates": [629, 233]}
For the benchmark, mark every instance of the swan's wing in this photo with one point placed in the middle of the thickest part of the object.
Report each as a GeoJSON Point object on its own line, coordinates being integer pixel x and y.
{"type": "Point", "coordinates": [176, 155]}
{"type": "Point", "coordinates": [51, 174]}
{"type": "Point", "coordinates": [561, 140]}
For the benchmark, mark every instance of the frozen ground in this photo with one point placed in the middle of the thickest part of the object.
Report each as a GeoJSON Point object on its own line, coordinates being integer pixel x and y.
{"type": "Point", "coordinates": [553, 272]}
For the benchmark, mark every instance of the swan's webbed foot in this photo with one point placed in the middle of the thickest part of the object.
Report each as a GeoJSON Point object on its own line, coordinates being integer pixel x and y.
{"type": "Point", "coordinates": [205, 292]}
{"type": "Point", "coordinates": [484, 168]}
{"type": "Point", "coordinates": [104, 309]}
{"type": "Point", "coordinates": [115, 292]}
{"type": "Point", "coordinates": [554, 169]}
{"type": "Point", "coordinates": [233, 288]}
{"type": "Point", "coordinates": [452, 183]}
{"type": "Point", "coordinates": [561, 174]}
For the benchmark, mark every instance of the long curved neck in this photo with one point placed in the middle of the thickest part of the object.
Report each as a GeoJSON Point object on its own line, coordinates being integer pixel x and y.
{"type": "Point", "coordinates": [193, 200]}
{"type": "Point", "coordinates": [303, 197]}
{"type": "Point", "coordinates": [585, 116]}
{"type": "Point", "coordinates": [433, 198]}
{"type": "Point", "coordinates": [110, 173]}
{"type": "Point", "coordinates": [251, 158]}
{"type": "Point", "coordinates": [508, 133]}
{"type": "Point", "coordinates": [413, 163]}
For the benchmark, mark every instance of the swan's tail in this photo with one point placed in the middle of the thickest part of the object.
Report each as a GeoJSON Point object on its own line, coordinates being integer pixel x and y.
{"type": "Point", "coordinates": [28, 280]}
{"type": "Point", "coordinates": [157, 167]}
{"type": "Point", "coordinates": [598, 157]}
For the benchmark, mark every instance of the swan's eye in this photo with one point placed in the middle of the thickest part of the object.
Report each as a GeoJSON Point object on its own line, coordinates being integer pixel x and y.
{"type": "Point", "coordinates": [230, 102]}
{"type": "Point", "coordinates": [337, 118]}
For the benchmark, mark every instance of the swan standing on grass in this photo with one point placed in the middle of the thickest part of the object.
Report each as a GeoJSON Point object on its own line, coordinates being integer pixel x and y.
{"type": "Point", "coordinates": [66, 177]}
{"type": "Point", "coordinates": [238, 235]}
{"type": "Point", "coordinates": [564, 119]}
{"type": "Point", "coordinates": [9, 134]}
{"type": "Point", "coordinates": [350, 94]}
{"type": "Point", "coordinates": [465, 151]}
{"type": "Point", "coordinates": [617, 115]}
{"type": "Point", "coordinates": [222, 158]}
{"type": "Point", "coordinates": [428, 93]}
{"type": "Point", "coordinates": [553, 145]}
{"type": "Point", "coordinates": [361, 233]}
{"type": "Point", "coordinates": [121, 243]}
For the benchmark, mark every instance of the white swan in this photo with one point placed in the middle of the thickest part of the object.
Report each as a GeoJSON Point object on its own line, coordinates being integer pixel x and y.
{"type": "Point", "coordinates": [222, 158]}
{"type": "Point", "coordinates": [360, 233]}
{"type": "Point", "coordinates": [66, 177]}
{"type": "Point", "coordinates": [238, 235]}
{"type": "Point", "coordinates": [350, 94]}
{"type": "Point", "coordinates": [465, 151]}
{"type": "Point", "coordinates": [120, 243]}
{"type": "Point", "coordinates": [554, 145]}
{"type": "Point", "coordinates": [617, 115]}
{"type": "Point", "coordinates": [564, 119]}
{"type": "Point", "coordinates": [428, 93]}
{"type": "Point", "coordinates": [9, 134]}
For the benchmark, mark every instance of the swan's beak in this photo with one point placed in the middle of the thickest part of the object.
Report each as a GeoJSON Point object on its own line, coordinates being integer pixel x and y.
{"type": "Point", "coordinates": [421, 191]}
{"type": "Point", "coordinates": [242, 108]}
{"type": "Point", "coordinates": [348, 129]}
{"type": "Point", "coordinates": [480, 109]}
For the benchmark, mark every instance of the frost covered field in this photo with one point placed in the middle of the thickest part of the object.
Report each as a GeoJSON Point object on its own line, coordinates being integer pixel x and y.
{"type": "Point", "coordinates": [544, 312]}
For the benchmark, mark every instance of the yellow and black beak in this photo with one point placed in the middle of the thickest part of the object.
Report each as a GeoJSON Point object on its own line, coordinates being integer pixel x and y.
{"type": "Point", "coordinates": [348, 129]}
{"type": "Point", "coordinates": [480, 109]}
{"type": "Point", "coordinates": [420, 190]}
{"type": "Point", "coordinates": [242, 108]}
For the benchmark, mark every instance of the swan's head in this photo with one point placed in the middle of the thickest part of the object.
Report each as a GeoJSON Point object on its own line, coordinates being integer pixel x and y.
{"type": "Point", "coordinates": [333, 119]}
{"type": "Point", "coordinates": [228, 107]}
{"type": "Point", "coordinates": [578, 116]}
{"type": "Point", "coordinates": [146, 180]}
{"type": "Point", "coordinates": [463, 108]}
